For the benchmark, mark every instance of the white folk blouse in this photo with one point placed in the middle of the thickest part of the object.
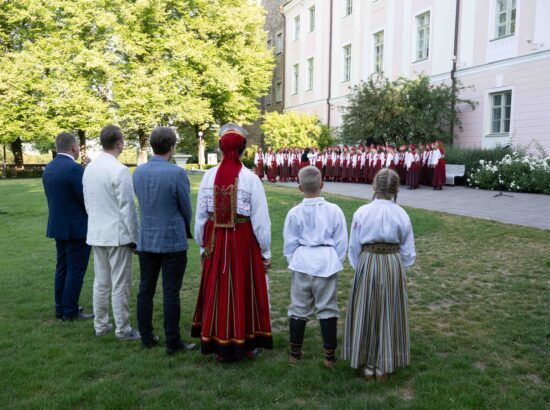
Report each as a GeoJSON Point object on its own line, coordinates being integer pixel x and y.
{"type": "Point", "coordinates": [381, 221]}
{"type": "Point", "coordinates": [315, 238]}
{"type": "Point", "coordinates": [251, 201]}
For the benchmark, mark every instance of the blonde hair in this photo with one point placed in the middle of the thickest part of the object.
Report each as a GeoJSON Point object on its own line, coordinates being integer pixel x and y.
{"type": "Point", "coordinates": [310, 179]}
{"type": "Point", "coordinates": [386, 184]}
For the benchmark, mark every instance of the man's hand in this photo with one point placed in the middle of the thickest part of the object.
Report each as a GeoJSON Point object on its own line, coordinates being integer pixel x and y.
{"type": "Point", "coordinates": [267, 263]}
{"type": "Point", "coordinates": [133, 247]}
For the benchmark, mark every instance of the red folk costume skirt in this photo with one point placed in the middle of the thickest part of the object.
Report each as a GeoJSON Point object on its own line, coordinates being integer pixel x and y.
{"type": "Point", "coordinates": [319, 166]}
{"type": "Point", "coordinates": [285, 170]}
{"type": "Point", "coordinates": [232, 312]}
{"type": "Point", "coordinates": [329, 171]}
{"type": "Point", "coordinates": [439, 177]}
{"type": "Point", "coordinates": [272, 172]}
{"type": "Point", "coordinates": [260, 169]}
{"type": "Point", "coordinates": [413, 175]}
{"type": "Point", "coordinates": [295, 169]}
{"type": "Point", "coordinates": [337, 169]}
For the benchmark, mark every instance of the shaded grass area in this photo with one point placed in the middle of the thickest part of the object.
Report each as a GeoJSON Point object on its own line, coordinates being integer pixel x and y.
{"type": "Point", "coordinates": [479, 315]}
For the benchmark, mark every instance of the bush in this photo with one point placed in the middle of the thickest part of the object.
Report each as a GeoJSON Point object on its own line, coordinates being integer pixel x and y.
{"type": "Point", "coordinates": [248, 156]}
{"type": "Point", "coordinates": [471, 157]}
{"type": "Point", "coordinates": [515, 172]}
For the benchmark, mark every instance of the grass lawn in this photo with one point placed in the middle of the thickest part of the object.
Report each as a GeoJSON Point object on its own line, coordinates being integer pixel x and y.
{"type": "Point", "coordinates": [479, 316]}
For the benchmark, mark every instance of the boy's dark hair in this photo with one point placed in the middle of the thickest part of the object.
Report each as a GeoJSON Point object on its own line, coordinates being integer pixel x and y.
{"type": "Point", "coordinates": [110, 135]}
{"type": "Point", "coordinates": [162, 140]}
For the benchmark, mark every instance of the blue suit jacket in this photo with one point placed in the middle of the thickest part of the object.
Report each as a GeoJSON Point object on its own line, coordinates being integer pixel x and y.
{"type": "Point", "coordinates": [162, 190]}
{"type": "Point", "coordinates": [67, 217]}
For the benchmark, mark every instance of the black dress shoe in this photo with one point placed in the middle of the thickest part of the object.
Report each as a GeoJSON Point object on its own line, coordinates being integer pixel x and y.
{"type": "Point", "coordinates": [180, 347]}
{"type": "Point", "coordinates": [78, 316]}
{"type": "Point", "coordinates": [150, 345]}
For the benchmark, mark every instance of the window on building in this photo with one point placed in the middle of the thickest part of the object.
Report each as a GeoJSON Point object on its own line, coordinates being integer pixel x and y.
{"type": "Point", "coordinates": [269, 43]}
{"type": "Point", "coordinates": [348, 7]}
{"type": "Point", "coordinates": [278, 92]}
{"type": "Point", "coordinates": [295, 78]}
{"type": "Point", "coordinates": [505, 18]}
{"type": "Point", "coordinates": [268, 98]}
{"type": "Point", "coordinates": [310, 71]}
{"type": "Point", "coordinates": [423, 36]}
{"type": "Point", "coordinates": [279, 43]}
{"type": "Point", "coordinates": [312, 19]}
{"type": "Point", "coordinates": [347, 63]}
{"type": "Point", "coordinates": [379, 52]}
{"type": "Point", "coordinates": [501, 104]}
{"type": "Point", "coordinates": [297, 28]}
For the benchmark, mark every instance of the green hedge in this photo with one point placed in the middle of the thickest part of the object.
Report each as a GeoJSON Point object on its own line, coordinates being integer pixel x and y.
{"type": "Point", "coordinates": [471, 157]}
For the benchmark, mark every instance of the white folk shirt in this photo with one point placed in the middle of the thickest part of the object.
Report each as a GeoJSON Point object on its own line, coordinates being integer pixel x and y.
{"type": "Point", "coordinates": [109, 200]}
{"type": "Point", "coordinates": [435, 157]}
{"type": "Point", "coordinates": [389, 160]}
{"type": "Point", "coordinates": [257, 158]}
{"type": "Point", "coordinates": [315, 238]}
{"type": "Point", "coordinates": [251, 201]}
{"type": "Point", "coordinates": [381, 221]}
{"type": "Point", "coordinates": [410, 158]}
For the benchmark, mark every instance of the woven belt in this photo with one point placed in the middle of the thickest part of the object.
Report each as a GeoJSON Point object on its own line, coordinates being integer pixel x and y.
{"type": "Point", "coordinates": [238, 219]}
{"type": "Point", "coordinates": [381, 248]}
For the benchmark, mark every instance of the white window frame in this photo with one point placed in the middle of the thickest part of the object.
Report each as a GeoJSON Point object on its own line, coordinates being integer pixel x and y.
{"type": "Point", "coordinates": [312, 16]}
{"type": "Point", "coordinates": [378, 52]}
{"type": "Point", "coordinates": [310, 73]}
{"type": "Point", "coordinates": [502, 109]}
{"type": "Point", "coordinates": [295, 78]}
{"type": "Point", "coordinates": [348, 8]}
{"type": "Point", "coordinates": [278, 91]}
{"type": "Point", "coordinates": [297, 27]}
{"type": "Point", "coordinates": [346, 63]}
{"type": "Point", "coordinates": [422, 53]}
{"type": "Point", "coordinates": [510, 18]}
{"type": "Point", "coordinates": [279, 42]}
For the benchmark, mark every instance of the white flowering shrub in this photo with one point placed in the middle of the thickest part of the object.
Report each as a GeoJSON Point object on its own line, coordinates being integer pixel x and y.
{"type": "Point", "coordinates": [515, 172]}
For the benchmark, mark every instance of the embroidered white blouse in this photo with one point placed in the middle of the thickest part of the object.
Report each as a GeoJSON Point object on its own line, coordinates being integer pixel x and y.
{"type": "Point", "coordinates": [315, 238]}
{"type": "Point", "coordinates": [381, 221]}
{"type": "Point", "coordinates": [251, 201]}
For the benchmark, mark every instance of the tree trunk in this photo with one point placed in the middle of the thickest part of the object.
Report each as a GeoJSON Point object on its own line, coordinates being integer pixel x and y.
{"type": "Point", "coordinates": [143, 145]}
{"type": "Point", "coordinates": [17, 150]}
{"type": "Point", "coordinates": [83, 149]}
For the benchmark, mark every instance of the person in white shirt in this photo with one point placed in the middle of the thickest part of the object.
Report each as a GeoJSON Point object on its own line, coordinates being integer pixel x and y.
{"type": "Point", "coordinates": [315, 244]}
{"type": "Point", "coordinates": [381, 247]}
{"type": "Point", "coordinates": [112, 232]}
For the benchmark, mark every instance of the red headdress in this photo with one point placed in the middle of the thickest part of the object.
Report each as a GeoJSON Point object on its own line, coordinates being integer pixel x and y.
{"type": "Point", "coordinates": [227, 178]}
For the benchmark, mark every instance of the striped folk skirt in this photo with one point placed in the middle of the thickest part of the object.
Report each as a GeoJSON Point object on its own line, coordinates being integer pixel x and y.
{"type": "Point", "coordinates": [376, 335]}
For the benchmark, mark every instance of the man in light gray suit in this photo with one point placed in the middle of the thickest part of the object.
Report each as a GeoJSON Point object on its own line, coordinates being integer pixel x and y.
{"type": "Point", "coordinates": [162, 190]}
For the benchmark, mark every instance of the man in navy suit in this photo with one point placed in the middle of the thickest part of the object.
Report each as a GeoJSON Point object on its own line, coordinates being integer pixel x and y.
{"type": "Point", "coordinates": [162, 189]}
{"type": "Point", "coordinates": [68, 225]}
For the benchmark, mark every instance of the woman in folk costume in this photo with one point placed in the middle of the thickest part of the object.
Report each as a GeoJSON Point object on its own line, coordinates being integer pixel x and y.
{"type": "Point", "coordinates": [420, 151]}
{"type": "Point", "coordinates": [329, 162]}
{"type": "Point", "coordinates": [319, 161]}
{"type": "Point", "coordinates": [233, 228]}
{"type": "Point", "coordinates": [400, 162]}
{"type": "Point", "coordinates": [259, 163]}
{"type": "Point", "coordinates": [295, 164]}
{"type": "Point", "coordinates": [412, 166]}
{"type": "Point", "coordinates": [271, 163]}
{"type": "Point", "coordinates": [426, 168]}
{"type": "Point", "coordinates": [337, 164]}
{"type": "Point", "coordinates": [285, 165]}
{"type": "Point", "coordinates": [371, 162]}
{"type": "Point", "coordinates": [381, 247]}
{"type": "Point", "coordinates": [438, 165]}
{"type": "Point", "coordinates": [380, 160]}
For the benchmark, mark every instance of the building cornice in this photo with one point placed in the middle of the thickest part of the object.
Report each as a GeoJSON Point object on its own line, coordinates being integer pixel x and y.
{"type": "Point", "coordinates": [289, 5]}
{"type": "Point", "coordinates": [507, 62]}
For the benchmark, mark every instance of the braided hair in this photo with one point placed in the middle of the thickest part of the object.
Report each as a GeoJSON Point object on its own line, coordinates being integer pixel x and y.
{"type": "Point", "coordinates": [386, 184]}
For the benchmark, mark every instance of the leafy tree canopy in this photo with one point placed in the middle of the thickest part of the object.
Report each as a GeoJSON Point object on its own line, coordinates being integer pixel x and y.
{"type": "Point", "coordinates": [295, 129]}
{"type": "Point", "coordinates": [401, 111]}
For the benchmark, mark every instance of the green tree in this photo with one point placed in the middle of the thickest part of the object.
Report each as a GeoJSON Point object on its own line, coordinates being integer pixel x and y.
{"type": "Point", "coordinates": [293, 129]}
{"type": "Point", "coordinates": [401, 111]}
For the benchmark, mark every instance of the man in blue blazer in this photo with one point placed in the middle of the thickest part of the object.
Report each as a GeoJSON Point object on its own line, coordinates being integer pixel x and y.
{"type": "Point", "coordinates": [67, 224]}
{"type": "Point", "coordinates": [162, 190]}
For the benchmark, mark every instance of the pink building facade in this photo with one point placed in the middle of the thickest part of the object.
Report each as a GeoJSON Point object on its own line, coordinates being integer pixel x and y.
{"type": "Point", "coordinates": [502, 57]}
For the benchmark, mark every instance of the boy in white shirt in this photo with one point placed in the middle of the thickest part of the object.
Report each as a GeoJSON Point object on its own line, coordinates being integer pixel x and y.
{"type": "Point", "coordinates": [315, 244]}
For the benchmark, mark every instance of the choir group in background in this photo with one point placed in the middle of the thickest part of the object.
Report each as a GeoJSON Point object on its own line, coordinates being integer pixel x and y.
{"type": "Point", "coordinates": [424, 164]}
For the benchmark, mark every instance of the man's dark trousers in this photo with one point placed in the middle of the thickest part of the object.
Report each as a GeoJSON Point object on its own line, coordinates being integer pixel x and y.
{"type": "Point", "coordinates": [173, 268]}
{"type": "Point", "coordinates": [72, 261]}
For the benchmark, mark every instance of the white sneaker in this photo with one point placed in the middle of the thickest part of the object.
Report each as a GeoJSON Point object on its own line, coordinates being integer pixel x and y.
{"type": "Point", "coordinates": [130, 336]}
{"type": "Point", "coordinates": [108, 329]}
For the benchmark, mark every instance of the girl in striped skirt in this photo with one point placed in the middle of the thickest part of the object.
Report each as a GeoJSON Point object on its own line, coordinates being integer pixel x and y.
{"type": "Point", "coordinates": [381, 246]}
